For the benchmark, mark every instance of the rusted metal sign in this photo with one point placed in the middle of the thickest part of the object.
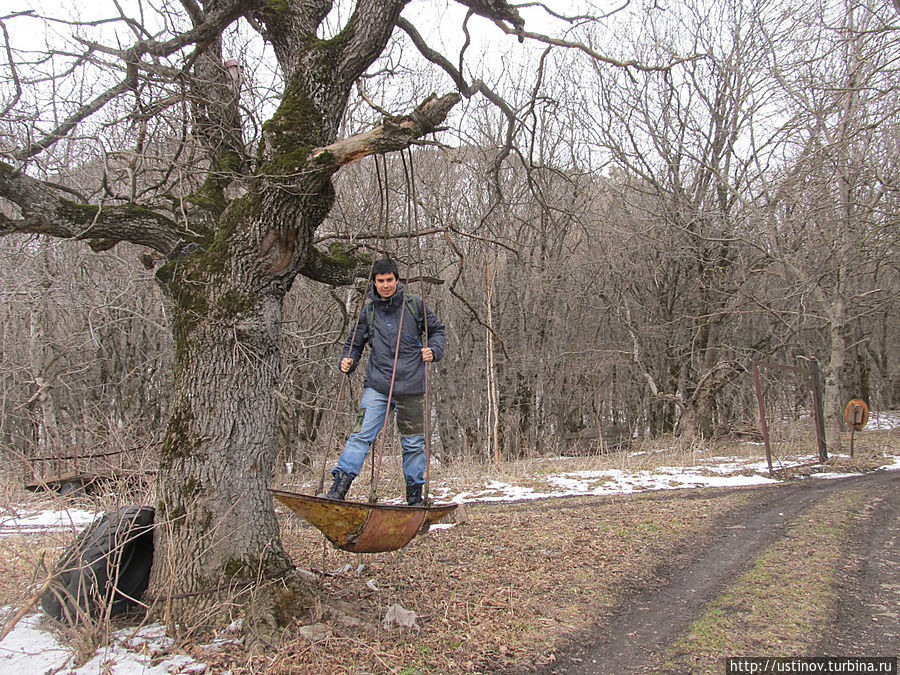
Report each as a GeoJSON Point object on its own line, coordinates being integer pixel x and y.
{"type": "Point", "coordinates": [856, 414]}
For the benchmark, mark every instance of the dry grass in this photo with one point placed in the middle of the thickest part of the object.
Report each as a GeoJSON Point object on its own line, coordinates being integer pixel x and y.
{"type": "Point", "coordinates": [783, 603]}
{"type": "Point", "coordinates": [500, 592]}
{"type": "Point", "coordinates": [26, 560]}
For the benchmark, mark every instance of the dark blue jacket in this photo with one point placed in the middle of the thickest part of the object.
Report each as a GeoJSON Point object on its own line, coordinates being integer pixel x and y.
{"type": "Point", "coordinates": [381, 337]}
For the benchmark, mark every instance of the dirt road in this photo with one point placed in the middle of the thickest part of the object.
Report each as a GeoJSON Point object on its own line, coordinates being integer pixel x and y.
{"type": "Point", "coordinates": [868, 613]}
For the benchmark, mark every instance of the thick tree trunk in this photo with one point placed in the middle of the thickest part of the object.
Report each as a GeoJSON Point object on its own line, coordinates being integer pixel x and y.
{"type": "Point", "coordinates": [216, 525]}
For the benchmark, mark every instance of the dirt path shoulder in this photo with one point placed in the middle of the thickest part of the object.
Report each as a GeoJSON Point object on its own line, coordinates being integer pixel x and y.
{"type": "Point", "coordinates": [640, 631]}
{"type": "Point", "coordinates": [868, 615]}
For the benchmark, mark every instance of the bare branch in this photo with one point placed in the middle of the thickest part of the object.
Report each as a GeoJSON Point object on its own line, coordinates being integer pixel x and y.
{"type": "Point", "coordinates": [44, 212]}
{"type": "Point", "coordinates": [193, 10]}
{"type": "Point", "coordinates": [361, 90]}
{"type": "Point", "coordinates": [566, 18]}
{"type": "Point", "coordinates": [215, 22]}
{"type": "Point", "coordinates": [389, 136]}
{"type": "Point", "coordinates": [12, 70]}
{"type": "Point", "coordinates": [594, 54]}
{"type": "Point", "coordinates": [466, 89]}
{"type": "Point", "coordinates": [78, 116]}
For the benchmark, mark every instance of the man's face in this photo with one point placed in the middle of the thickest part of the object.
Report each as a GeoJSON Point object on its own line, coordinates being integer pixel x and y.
{"type": "Point", "coordinates": [386, 284]}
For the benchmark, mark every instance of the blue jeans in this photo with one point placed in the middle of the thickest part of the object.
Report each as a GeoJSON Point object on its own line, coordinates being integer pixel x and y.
{"type": "Point", "coordinates": [372, 412]}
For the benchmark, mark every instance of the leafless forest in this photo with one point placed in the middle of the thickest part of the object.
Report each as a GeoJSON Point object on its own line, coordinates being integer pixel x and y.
{"type": "Point", "coordinates": [623, 212]}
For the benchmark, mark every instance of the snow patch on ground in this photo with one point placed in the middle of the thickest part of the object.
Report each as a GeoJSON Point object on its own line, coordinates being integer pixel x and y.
{"type": "Point", "coordinates": [33, 648]}
{"type": "Point", "coordinates": [46, 521]}
{"type": "Point", "coordinates": [883, 421]}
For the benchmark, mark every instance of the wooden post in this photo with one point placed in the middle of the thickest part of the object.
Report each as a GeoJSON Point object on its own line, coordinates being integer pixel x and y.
{"type": "Point", "coordinates": [763, 427]}
{"type": "Point", "coordinates": [493, 399]}
{"type": "Point", "coordinates": [818, 410]}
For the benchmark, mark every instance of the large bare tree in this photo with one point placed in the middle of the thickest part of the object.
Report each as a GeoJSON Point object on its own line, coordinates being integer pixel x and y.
{"type": "Point", "coordinates": [228, 228]}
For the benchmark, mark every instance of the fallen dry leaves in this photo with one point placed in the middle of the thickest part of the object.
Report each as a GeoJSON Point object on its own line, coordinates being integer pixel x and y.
{"type": "Point", "coordinates": [500, 592]}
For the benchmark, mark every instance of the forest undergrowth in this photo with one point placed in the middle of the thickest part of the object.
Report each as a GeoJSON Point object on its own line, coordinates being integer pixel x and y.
{"type": "Point", "coordinates": [502, 590]}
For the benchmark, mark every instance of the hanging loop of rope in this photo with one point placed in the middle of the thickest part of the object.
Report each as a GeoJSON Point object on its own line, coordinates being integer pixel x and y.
{"type": "Point", "coordinates": [412, 233]}
{"type": "Point", "coordinates": [412, 219]}
{"type": "Point", "coordinates": [387, 413]}
{"type": "Point", "coordinates": [413, 199]}
{"type": "Point", "coordinates": [382, 221]}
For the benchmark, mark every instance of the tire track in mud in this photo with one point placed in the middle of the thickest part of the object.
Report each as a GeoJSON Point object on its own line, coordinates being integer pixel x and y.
{"type": "Point", "coordinates": [648, 622]}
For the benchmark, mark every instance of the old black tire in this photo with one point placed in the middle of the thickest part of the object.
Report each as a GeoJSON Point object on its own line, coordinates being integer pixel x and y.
{"type": "Point", "coordinates": [106, 568]}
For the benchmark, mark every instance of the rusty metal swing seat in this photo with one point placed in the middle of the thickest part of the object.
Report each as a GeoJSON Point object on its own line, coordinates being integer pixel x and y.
{"type": "Point", "coordinates": [370, 527]}
{"type": "Point", "coordinates": [361, 527]}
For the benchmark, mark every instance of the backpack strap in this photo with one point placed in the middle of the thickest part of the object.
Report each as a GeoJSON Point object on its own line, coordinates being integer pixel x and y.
{"type": "Point", "coordinates": [414, 310]}
{"type": "Point", "coordinates": [411, 305]}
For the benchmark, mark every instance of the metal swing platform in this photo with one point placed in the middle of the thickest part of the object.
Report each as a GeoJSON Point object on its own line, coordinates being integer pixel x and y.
{"type": "Point", "coordinates": [364, 528]}
{"type": "Point", "coordinates": [371, 527]}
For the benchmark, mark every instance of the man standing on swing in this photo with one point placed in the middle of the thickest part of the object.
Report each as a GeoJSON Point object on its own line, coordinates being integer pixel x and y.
{"type": "Point", "coordinates": [390, 309]}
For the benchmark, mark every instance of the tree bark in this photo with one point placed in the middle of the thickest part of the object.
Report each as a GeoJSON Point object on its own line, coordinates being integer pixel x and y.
{"type": "Point", "coordinates": [217, 526]}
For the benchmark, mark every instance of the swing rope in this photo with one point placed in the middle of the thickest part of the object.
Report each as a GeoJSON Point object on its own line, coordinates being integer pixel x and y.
{"type": "Point", "coordinates": [413, 198]}
{"type": "Point", "coordinates": [412, 220]}
{"type": "Point", "coordinates": [412, 232]}
{"type": "Point", "coordinates": [387, 413]}
{"type": "Point", "coordinates": [372, 528]}
{"type": "Point", "coordinates": [382, 208]}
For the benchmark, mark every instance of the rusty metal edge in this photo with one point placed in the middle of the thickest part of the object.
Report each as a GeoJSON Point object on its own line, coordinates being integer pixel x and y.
{"type": "Point", "coordinates": [347, 540]}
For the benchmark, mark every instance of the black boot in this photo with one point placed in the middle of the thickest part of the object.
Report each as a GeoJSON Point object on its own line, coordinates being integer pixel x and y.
{"type": "Point", "coordinates": [340, 485]}
{"type": "Point", "coordinates": [414, 495]}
